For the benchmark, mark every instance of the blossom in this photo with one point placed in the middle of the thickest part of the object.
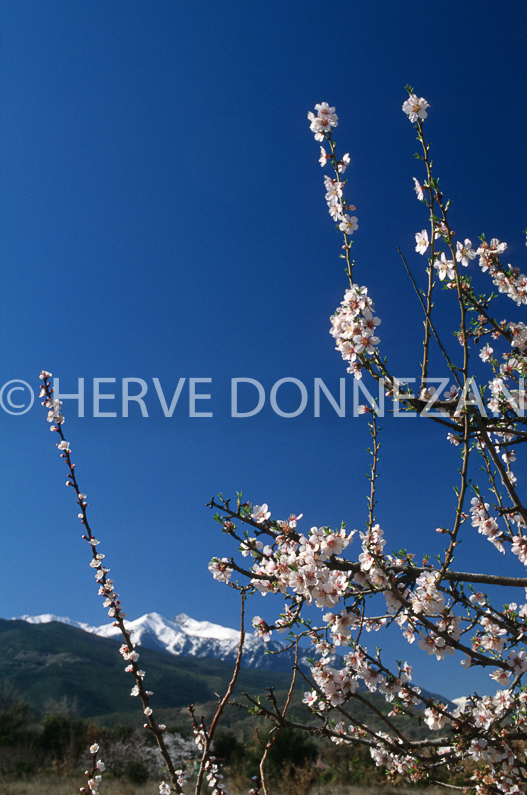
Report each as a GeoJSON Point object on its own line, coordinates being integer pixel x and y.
{"type": "Point", "coordinates": [348, 225]}
{"type": "Point", "coordinates": [434, 719]}
{"type": "Point", "coordinates": [500, 676]}
{"type": "Point", "coordinates": [418, 189]}
{"type": "Point", "coordinates": [421, 238]}
{"type": "Point", "coordinates": [433, 644]}
{"type": "Point", "coordinates": [406, 672]}
{"type": "Point", "coordinates": [444, 267]}
{"type": "Point", "coordinates": [323, 109]}
{"type": "Point", "coordinates": [415, 108]}
{"type": "Point", "coordinates": [324, 156]}
{"type": "Point", "coordinates": [310, 698]}
{"type": "Point", "coordinates": [426, 598]}
{"type": "Point", "coordinates": [344, 163]}
{"type": "Point", "coordinates": [478, 749]}
{"type": "Point", "coordinates": [489, 254]}
{"type": "Point", "coordinates": [54, 414]}
{"type": "Point", "coordinates": [220, 569]}
{"type": "Point", "coordinates": [261, 628]}
{"type": "Point", "coordinates": [294, 518]}
{"type": "Point", "coordinates": [353, 326]}
{"type": "Point", "coordinates": [260, 513]}
{"type": "Point", "coordinates": [478, 597]}
{"type": "Point", "coordinates": [486, 353]}
{"type": "Point", "coordinates": [333, 190]}
{"type": "Point", "coordinates": [464, 252]}
{"type": "Point", "coordinates": [517, 661]}
{"type": "Point", "coordinates": [452, 392]}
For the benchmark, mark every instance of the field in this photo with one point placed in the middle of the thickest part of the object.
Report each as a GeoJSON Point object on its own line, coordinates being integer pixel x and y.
{"type": "Point", "coordinates": [51, 785]}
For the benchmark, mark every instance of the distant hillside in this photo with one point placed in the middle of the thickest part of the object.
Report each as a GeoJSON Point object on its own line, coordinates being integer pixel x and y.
{"type": "Point", "coordinates": [52, 660]}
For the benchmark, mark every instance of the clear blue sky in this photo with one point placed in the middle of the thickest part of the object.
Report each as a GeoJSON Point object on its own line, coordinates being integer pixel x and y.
{"type": "Point", "coordinates": [163, 216]}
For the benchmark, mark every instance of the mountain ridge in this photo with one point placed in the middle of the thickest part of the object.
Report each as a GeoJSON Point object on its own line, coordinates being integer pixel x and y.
{"type": "Point", "coordinates": [52, 662]}
{"type": "Point", "coordinates": [187, 637]}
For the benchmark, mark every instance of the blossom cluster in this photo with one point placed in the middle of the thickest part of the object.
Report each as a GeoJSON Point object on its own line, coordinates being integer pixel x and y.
{"type": "Point", "coordinates": [324, 122]}
{"type": "Point", "coordinates": [486, 524]}
{"type": "Point", "coordinates": [353, 326]}
{"type": "Point", "coordinates": [513, 284]}
{"type": "Point", "coordinates": [52, 404]}
{"type": "Point", "coordinates": [309, 569]}
{"type": "Point", "coordinates": [95, 774]}
{"type": "Point", "coordinates": [214, 777]}
{"type": "Point", "coordinates": [209, 764]}
{"type": "Point", "coordinates": [164, 788]}
{"type": "Point", "coordinates": [322, 125]}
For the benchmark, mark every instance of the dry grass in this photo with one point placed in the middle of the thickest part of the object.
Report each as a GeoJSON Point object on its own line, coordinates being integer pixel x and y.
{"type": "Point", "coordinates": [381, 789]}
{"type": "Point", "coordinates": [50, 785]}
{"type": "Point", "coordinates": [54, 785]}
{"type": "Point", "coordinates": [59, 785]}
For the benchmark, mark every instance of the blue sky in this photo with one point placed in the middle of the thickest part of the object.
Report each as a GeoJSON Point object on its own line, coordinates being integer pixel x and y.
{"type": "Point", "coordinates": [163, 216]}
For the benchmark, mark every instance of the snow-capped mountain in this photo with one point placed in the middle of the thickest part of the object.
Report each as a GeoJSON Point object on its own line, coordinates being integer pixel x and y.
{"type": "Point", "coordinates": [187, 637]}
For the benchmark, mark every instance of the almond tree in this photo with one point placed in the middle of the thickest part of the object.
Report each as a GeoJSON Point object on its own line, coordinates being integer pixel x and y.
{"type": "Point", "coordinates": [446, 611]}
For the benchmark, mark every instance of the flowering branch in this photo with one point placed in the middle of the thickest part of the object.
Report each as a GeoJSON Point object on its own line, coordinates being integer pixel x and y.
{"type": "Point", "coordinates": [204, 738]}
{"type": "Point", "coordinates": [106, 587]}
{"type": "Point", "coordinates": [97, 768]}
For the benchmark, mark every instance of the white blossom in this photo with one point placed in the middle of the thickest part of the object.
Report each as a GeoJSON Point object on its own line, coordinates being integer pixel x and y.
{"type": "Point", "coordinates": [415, 108]}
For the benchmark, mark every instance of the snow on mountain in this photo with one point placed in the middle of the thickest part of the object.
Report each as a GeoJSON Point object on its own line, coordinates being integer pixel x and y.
{"type": "Point", "coordinates": [187, 637]}
{"type": "Point", "coordinates": [184, 636]}
{"type": "Point", "coordinates": [204, 629]}
{"type": "Point", "coordinates": [46, 618]}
